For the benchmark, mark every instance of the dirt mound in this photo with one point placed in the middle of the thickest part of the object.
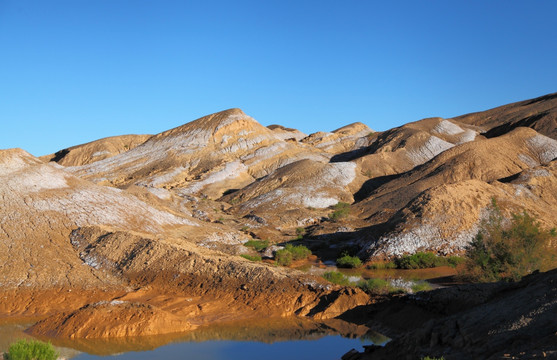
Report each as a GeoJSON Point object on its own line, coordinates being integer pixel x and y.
{"type": "Point", "coordinates": [114, 318]}
{"type": "Point", "coordinates": [510, 321]}
{"type": "Point", "coordinates": [42, 204]}
{"type": "Point", "coordinates": [403, 148]}
{"type": "Point", "coordinates": [287, 133]}
{"type": "Point", "coordinates": [96, 150]}
{"type": "Point", "coordinates": [222, 151]}
{"type": "Point", "coordinates": [438, 206]}
{"type": "Point", "coordinates": [539, 114]}
{"type": "Point", "coordinates": [304, 183]}
{"type": "Point", "coordinates": [348, 138]}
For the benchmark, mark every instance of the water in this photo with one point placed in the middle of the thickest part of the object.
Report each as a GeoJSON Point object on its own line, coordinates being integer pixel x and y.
{"type": "Point", "coordinates": [328, 347]}
{"type": "Point", "coordinates": [436, 276]}
{"type": "Point", "coordinates": [291, 338]}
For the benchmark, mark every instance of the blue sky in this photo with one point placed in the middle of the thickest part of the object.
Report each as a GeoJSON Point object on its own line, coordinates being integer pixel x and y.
{"type": "Point", "coordinates": [77, 70]}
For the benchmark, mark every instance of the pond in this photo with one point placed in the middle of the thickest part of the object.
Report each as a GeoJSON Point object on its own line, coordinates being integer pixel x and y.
{"type": "Point", "coordinates": [290, 338]}
{"type": "Point", "coordinates": [437, 277]}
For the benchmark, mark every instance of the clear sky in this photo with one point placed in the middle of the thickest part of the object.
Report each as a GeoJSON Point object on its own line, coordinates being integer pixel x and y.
{"type": "Point", "coordinates": [73, 71]}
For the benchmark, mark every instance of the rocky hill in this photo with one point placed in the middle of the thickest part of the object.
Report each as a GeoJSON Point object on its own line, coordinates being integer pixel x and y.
{"type": "Point", "coordinates": [422, 186]}
{"type": "Point", "coordinates": [128, 217]}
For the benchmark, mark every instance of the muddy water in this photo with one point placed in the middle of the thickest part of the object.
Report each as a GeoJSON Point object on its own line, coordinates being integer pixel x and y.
{"type": "Point", "coordinates": [432, 274]}
{"type": "Point", "coordinates": [437, 276]}
{"type": "Point", "coordinates": [292, 338]}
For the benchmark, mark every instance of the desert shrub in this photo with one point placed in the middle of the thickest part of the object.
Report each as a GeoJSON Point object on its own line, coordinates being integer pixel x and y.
{"type": "Point", "coordinates": [290, 253]}
{"type": "Point", "coordinates": [506, 251]}
{"type": "Point", "coordinates": [251, 257]}
{"type": "Point", "coordinates": [31, 350]}
{"type": "Point", "coordinates": [347, 261]}
{"type": "Point", "coordinates": [382, 265]}
{"type": "Point", "coordinates": [421, 286]}
{"type": "Point", "coordinates": [283, 257]}
{"type": "Point", "coordinates": [453, 261]}
{"type": "Point", "coordinates": [341, 210]}
{"type": "Point", "coordinates": [375, 286]}
{"type": "Point", "coordinates": [424, 260]}
{"type": "Point", "coordinates": [300, 232]}
{"type": "Point", "coordinates": [299, 252]}
{"type": "Point", "coordinates": [419, 260]}
{"type": "Point", "coordinates": [337, 278]}
{"type": "Point", "coordinates": [257, 245]}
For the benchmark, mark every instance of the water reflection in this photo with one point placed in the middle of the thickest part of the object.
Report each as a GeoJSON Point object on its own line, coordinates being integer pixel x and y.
{"type": "Point", "coordinates": [284, 333]}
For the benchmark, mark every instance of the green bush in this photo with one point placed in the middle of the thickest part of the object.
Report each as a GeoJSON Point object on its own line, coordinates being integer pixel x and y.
{"type": "Point", "coordinates": [424, 260]}
{"type": "Point", "coordinates": [299, 252]}
{"type": "Point", "coordinates": [283, 257]}
{"type": "Point", "coordinates": [421, 286]}
{"type": "Point", "coordinates": [375, 286]}
{"type": "Point", "coordinates": [347, 261]}
{"type": "Point", "coordinates": [290, 253]}
{"type": "Point", "coordinates": [382, 265]}
{"type": "Point", "coordinates": [378, 287]}
{"type": "Point", "coordinates": [507, 251]}
{"type": "Point", "coordinates": [453, 261]}
{"type": "Point", "coordinates": [300, 232]}
{"type": "Point", "coordinates": [341, 210]}
{"type": "Point", "coordinates": [251, 257]}
{"type": "Point", "coordinates": [257, 245]}
{"type": "Point", "coordinates": [337, 278]}
{"type": "Point", "coordinates": [31, 350]}
{"type": "Point", "coordinates": [419, 260]}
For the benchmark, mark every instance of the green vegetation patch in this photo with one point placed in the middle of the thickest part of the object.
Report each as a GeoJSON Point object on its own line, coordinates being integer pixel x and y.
{"type": "Point", "coordinates": [337, 278]}
{"type": "Point", "coordinates": [257, 245]}
{"type": "Point", "coordinates": [31, 350]}
{"type": "Point", "coordinates": [421, 286]}
{"type": "Point", "coordinates": [251, 257]}
{"type": "Point", "coordinates": [375, 286]}
{"type": "Point", "coordinates": [284, 257]}
{"type": "Point", "coordinates": [379, 287]}
{"type": "Point", "coordinates": [382, 265]}
{"type": "Point", "coordinates": [300, 232]}
{"type": "Point", "coordinates": [508, 250]}
{"type": "Point", "coordinates": [424, 260]}
{"type": "Point", "coordinates": [347, 261]}
{"type": "Point", "coordinates": [341, 210]}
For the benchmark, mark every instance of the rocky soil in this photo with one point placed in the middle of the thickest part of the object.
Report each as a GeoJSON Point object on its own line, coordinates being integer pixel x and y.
{"type": "Point", "coordinates": [487, 321]}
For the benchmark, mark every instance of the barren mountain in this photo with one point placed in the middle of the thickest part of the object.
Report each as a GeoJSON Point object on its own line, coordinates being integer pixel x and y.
{"type": "Point", "coordinates": [95, 150]}
{"type": "Point", "coordinates": [223, 151]}
{"type": "Point", "coordinates": [539, 114]}
{"type": "Point", "coordinates": [437, 206]}
{"type": "Point", "coordinates": [152, 224]}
